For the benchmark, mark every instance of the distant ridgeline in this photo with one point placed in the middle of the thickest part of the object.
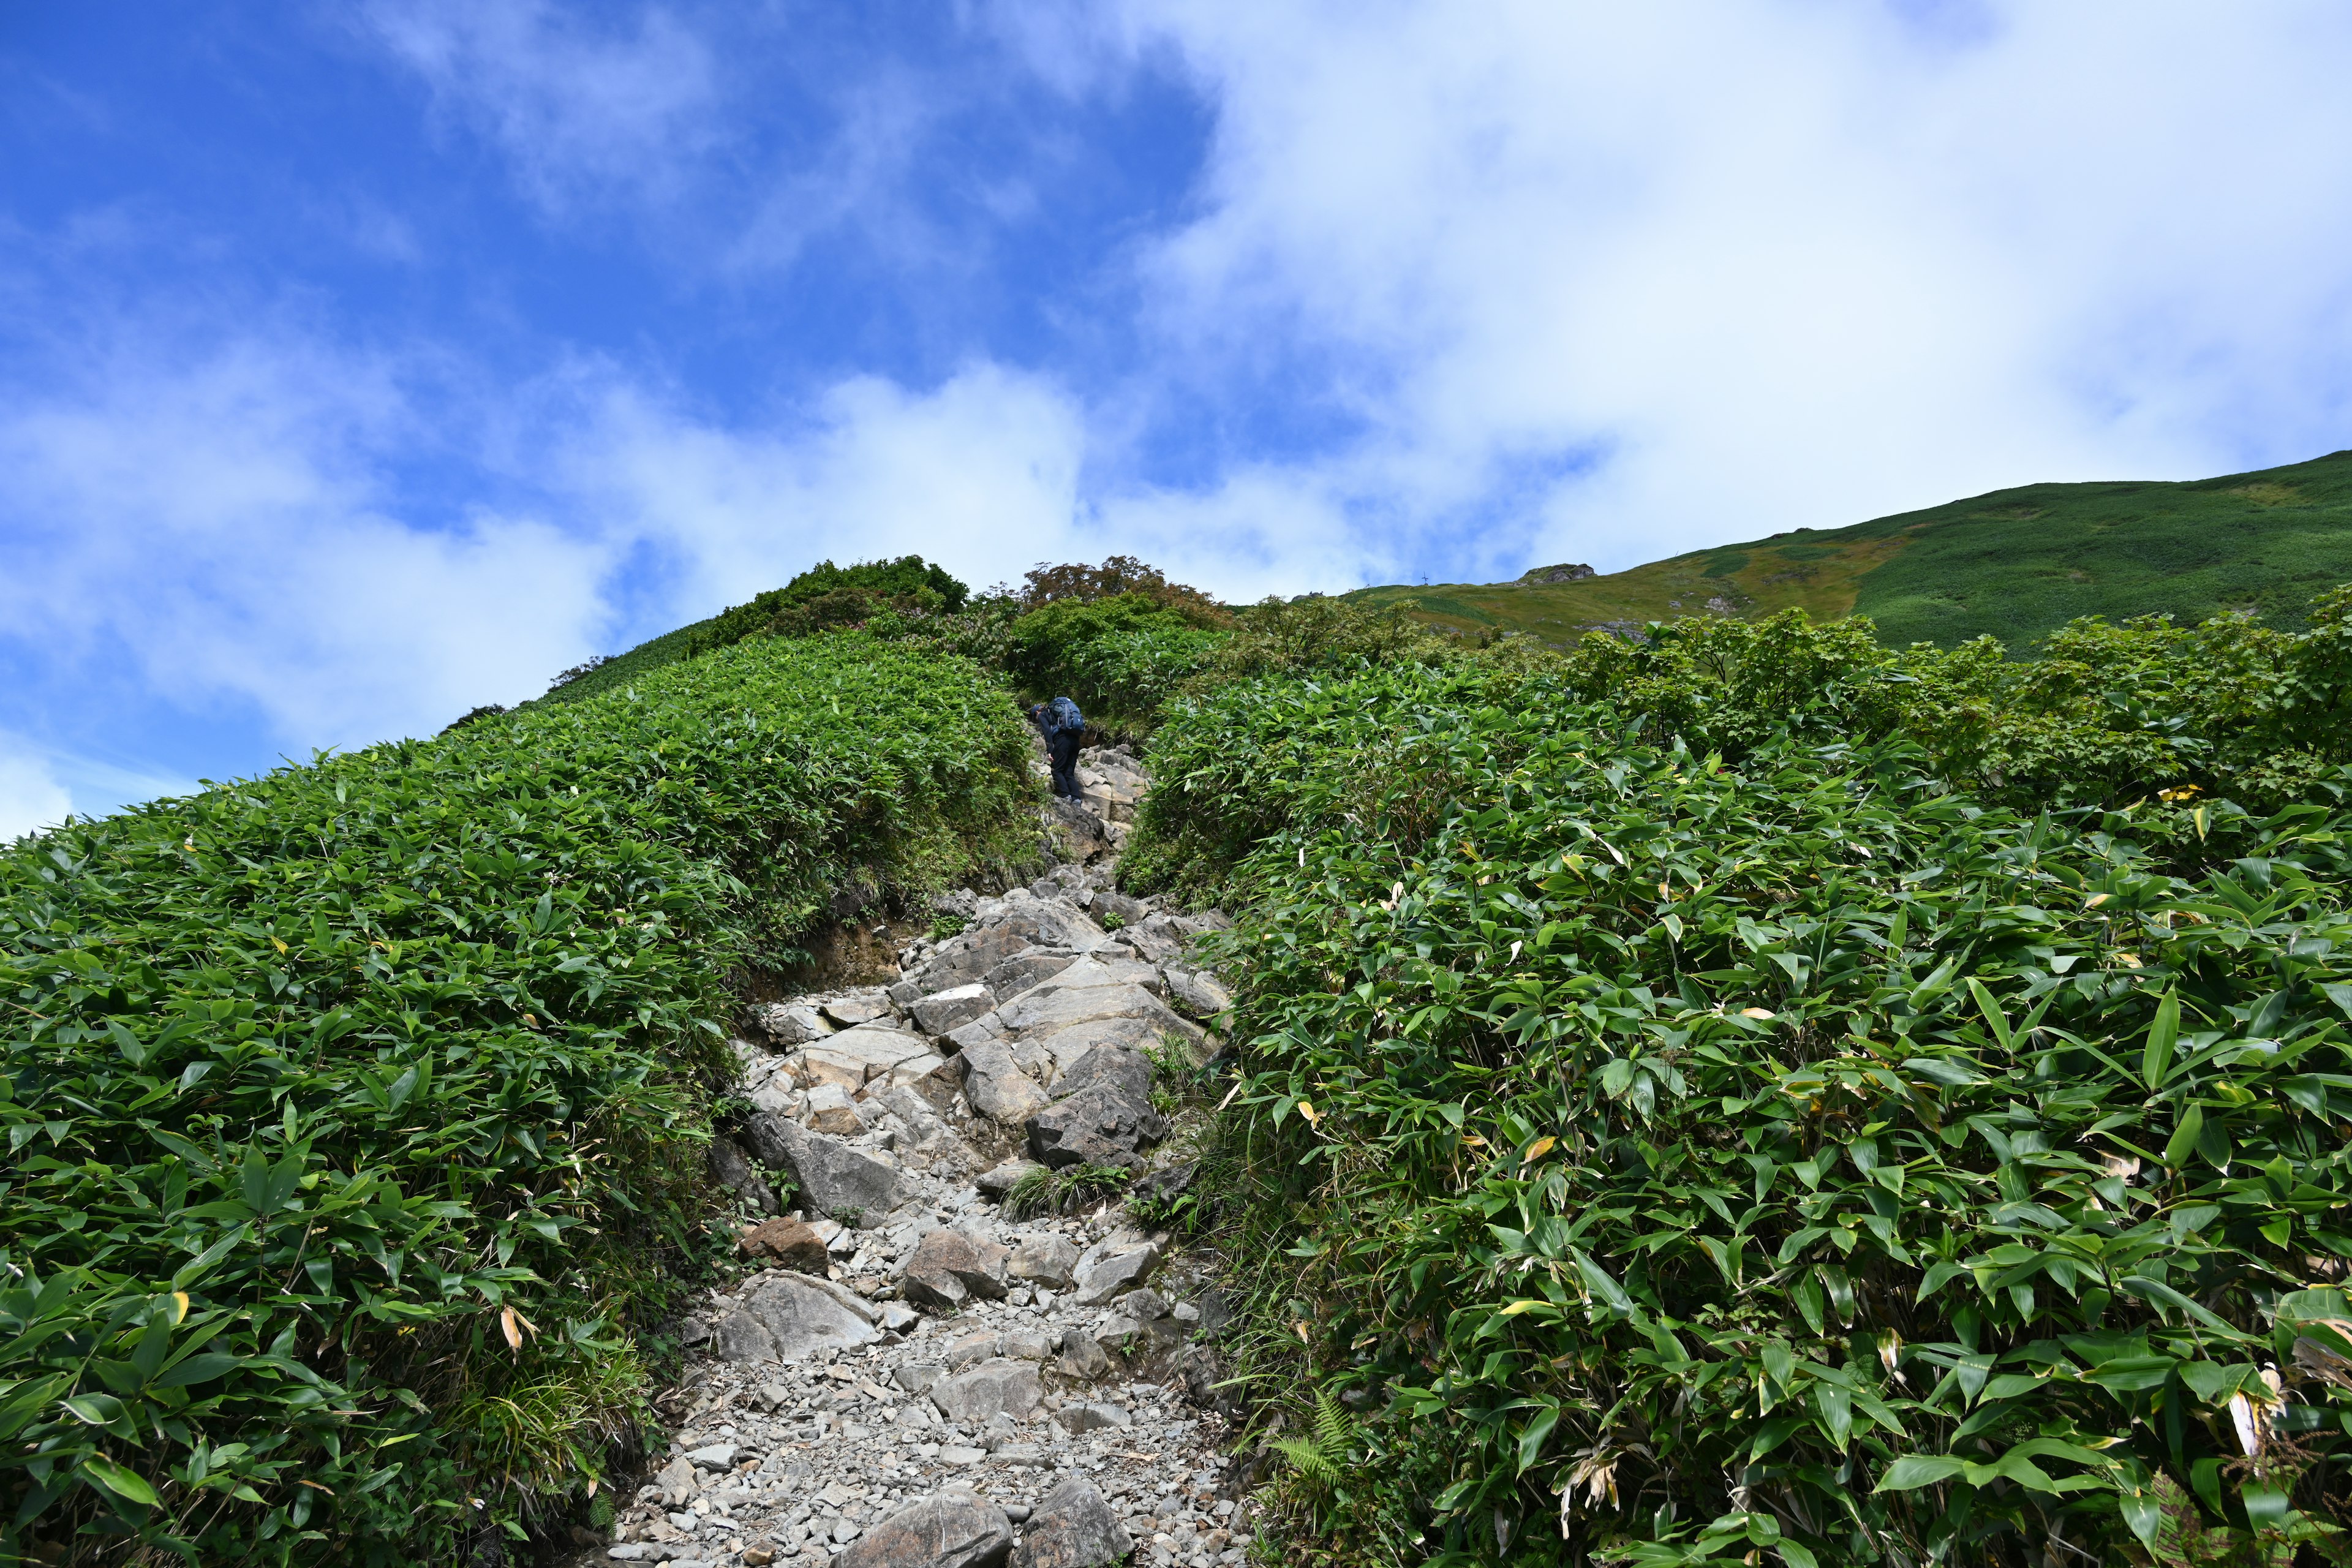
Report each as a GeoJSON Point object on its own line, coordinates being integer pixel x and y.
{"type": "Point", "coordinates": [2014, 564]}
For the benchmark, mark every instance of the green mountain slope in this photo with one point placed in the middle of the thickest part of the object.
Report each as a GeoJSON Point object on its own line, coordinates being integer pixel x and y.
{"type": "Point", "coordinates": [2016, 564]}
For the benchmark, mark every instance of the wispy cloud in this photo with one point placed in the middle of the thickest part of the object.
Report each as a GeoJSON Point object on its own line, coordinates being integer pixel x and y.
{"type": "Point", "coordinates": [581, 109]}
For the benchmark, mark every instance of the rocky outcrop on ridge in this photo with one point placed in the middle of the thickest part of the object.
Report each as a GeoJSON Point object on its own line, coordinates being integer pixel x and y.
{"type": "Point", "coordinates": [912, 1378]}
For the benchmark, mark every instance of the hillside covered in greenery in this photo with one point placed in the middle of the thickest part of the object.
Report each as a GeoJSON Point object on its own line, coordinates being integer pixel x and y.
{"type": "Point", "coordinates": [2015, 564]}
{"type": "Point", "coordinates": [355, 1114]}
{"type": "Point", "coordinates": [1737, 1092]}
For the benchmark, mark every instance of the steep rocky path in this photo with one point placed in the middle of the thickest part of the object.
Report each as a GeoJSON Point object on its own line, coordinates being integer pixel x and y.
{"type": "Point", "coordinates": [914, 1376]}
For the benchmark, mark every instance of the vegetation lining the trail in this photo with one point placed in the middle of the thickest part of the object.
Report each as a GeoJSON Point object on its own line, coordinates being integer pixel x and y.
{"type": "Point", "coordinates": [2015, 564]}
{"type": "Point", "coordinates": [1694, 1129]}
{"type": "Point", "coordinates": [354, 1117]}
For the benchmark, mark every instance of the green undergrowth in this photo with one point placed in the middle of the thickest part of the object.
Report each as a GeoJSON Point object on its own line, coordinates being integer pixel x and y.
{"type": "Point", "coordinates": [355, 1113]}
{"type": "Point", "coordinates": [1696, 1123]}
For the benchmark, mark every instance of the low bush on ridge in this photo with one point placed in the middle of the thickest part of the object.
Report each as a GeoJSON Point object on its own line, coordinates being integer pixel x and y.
{"type": "Point", "coordinates": [353, 1112]}
{"type": "Point", "coordinates": [1695, 1131]}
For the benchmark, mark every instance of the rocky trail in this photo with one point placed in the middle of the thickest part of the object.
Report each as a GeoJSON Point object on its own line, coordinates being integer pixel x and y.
{"type": "Point", "coordinates": [914, 1377]}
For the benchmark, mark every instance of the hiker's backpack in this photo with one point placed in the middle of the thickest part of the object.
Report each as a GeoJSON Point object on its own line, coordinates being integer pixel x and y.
{"type": "Point", "coordinates": [1064, 716]}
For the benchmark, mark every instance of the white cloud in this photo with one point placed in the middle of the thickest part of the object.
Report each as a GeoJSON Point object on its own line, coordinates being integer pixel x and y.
{"type": "Point", "coordinates": [223, 516]}
{"type": "Point", "coordinates": [1767, 265]}
{"type": "Point", "coordinates": [578, 108]}
{"type": "Point", "coordinates": [31, 798]}
{"type": "Point", "coordinates": [980, 473]}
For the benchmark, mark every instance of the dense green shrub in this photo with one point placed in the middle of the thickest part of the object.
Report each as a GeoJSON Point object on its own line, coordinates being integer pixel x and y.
{"type": "Point", "coordinates": [1701, 1159]}
{"type": "Point", "coordinates": [1120, 658]}
{"type": "Point", "coordinates": [352, 1111]}
{"type": "Point", "coordinates": [827, 597]}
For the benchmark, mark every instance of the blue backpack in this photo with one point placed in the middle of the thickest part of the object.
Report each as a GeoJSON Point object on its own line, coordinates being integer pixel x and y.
{"type": "Point", "coordinates": [1062, 717]}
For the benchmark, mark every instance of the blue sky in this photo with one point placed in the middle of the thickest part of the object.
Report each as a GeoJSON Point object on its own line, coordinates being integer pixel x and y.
{"type": "Point", "coordinates": [361, 363]}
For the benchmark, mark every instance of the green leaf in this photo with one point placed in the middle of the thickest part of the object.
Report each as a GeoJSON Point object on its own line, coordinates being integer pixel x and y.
{"type": "Point", "coordinates": [128, 1485]}
{"type": "Point", "coordinates": [1913, 1471]}
{"type": "Point", "coordinates": [2156, 1057]}
{"type": "Point", "coordinates": [2183, 1141]}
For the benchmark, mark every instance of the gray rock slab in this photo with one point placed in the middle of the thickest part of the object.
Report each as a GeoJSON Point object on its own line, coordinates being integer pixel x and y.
{"type": "Point", "coordinates": [1083, 1415]}
{"type": "Point", "coordinates": [1025, 970]}
{"type": "Point", "coordinates": [949, 1530]}
{"type": "Point", "coordinates": [795, 1315]}
{"type": "Point", "coordinates": [948, 1269]}
{"type": "Point", "coordinates": [1073, 1527]}
{"type": "Point", "coordinates": [1068, 1046]}
{"type": "Point", "coordinates": [1114, 1274]}
{"type": "Point", "coordinates": [833, 1177]}
{"type": "Point", "coordinates": [1047, 1260]}
{"type": "Point", "coordinates": [1122, 1067]}
{"type": "Point", "coordinates": [1055, 1006]}
{"type": "Point", "coordinates": [969, 956]}
{"type": "Point", "coordinates": [879, 1046]}
{"type": "Point", "coordinates": [1001, 1386]}
{"type": "Point", "coordinates": [851, 1010]}
{"type": "Point", "coordinates": [952, 1009]}
{"type": "Point", "coordinates": [1197, 993]}
{"type": "Point", "coordinates": [793, 1023]}
{"type": "Point", "coordinates": [1099, 1126]}
{"type": "Point", "coordinates": [995, 1087]}
{"type": "Point", "coordinates": [998, 1180]}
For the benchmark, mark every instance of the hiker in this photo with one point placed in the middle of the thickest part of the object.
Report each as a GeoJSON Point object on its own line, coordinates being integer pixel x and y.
{"type": "Point", "coordinates": [1064, 727]}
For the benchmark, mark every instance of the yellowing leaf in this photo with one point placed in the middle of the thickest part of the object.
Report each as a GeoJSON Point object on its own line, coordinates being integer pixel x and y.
{"type": "Point", "coordinates": [277, 944]}
{"type": "Point", "coordinates": [2095, 900]}
{"type": "Point", "coordinates": [1756, 1013]}
{"type": "Point", "coordinates": [1314, 1117]}
{"type": "Point", "coordinates": [1515, 1307]}
{"type": "Point", "coordinates": [507, 1322]}
{"type": "Point", "coordinates": [179, 1306]}
{"type": "Point", "coordinates": [1538, 1148]}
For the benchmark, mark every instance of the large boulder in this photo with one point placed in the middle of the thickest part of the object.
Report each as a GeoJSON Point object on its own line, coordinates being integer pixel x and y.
{"type": "Point", "coordinates": [951, 1529]}
{"type": "Point", "coordinates": [1000, 1386]}
{"type": "Point", "coordinates": [1024, 969]}
{"type": "Point", "coordinates": [1056, 1006]}
{"type": "Point", "coordinates": [969, 957]}
{"type": "Point", "coordinates": [875, 1049]}
{"type": "Point", "coordinates": [1074, 1527]}
{"type": "Point", "coordinates": [1106, 1271]}
{"type": "Point", "coordinates": [793, 1023]}
{"type": "Point", "coordinates": [1075, 833]}
{"type": "Point", "coordinates": [789, 1244]}
{"type": "Point", "coordinates": [833, 1177]}
{"type": "Point", "coordinates": [1048, 1260]}
{"type": "Point", "coordinates": [789, 1316]}
{"type": "Point", "coordinates": [1066, 1047]}
{"type": "Point", "coordinates": [1118, 1067]}
{"type": "Point", "coordinates": [948, 1269]}
{"type": "Point", "coordinates": [1197, 993]}
{"type": "Point", "coordinates": [942, 1011]}
{"type": "Point", "coordinates": [995, 1086]}
{"type": "Point", "coordinates": [1099, 1126]}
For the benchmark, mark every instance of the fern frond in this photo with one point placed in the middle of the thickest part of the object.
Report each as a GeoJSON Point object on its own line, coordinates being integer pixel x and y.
{"type": "Point", "coordinates": [1335, 1429]}
{"type": "Point", "coordinates": [1307, 1457]}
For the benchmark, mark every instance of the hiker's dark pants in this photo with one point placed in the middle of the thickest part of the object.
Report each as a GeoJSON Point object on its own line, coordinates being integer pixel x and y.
{"type": "Point", "coordinates": [1062, 749]}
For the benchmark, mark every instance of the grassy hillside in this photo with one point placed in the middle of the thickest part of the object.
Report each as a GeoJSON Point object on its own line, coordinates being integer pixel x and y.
{"type": "Point", "coordinates": [2016, 564]}
{"type": "Point", "coordinates": [1716, 1101]}
{"type": "Point", "coordinates": [355, 1116]}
